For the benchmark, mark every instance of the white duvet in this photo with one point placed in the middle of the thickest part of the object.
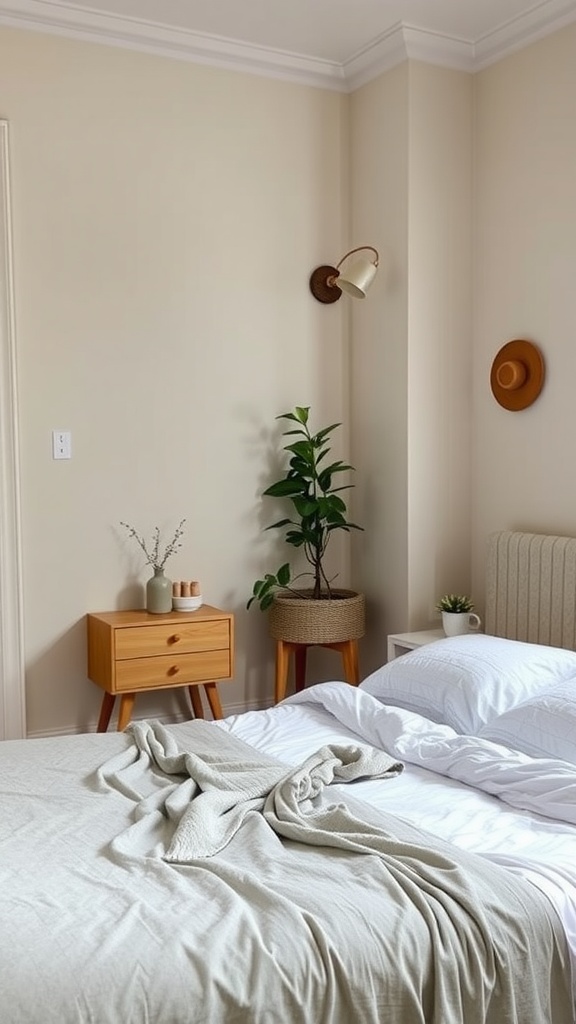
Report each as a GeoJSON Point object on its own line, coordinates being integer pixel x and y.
{"type": "Point", "coordinates": [79, 908]}
{"type": "Point", "coordinates": [513, 809]}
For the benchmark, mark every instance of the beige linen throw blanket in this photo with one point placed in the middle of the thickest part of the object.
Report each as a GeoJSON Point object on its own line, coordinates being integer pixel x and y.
{"type": "Point", "coordinates": [322, 912]}
{"type": "Point", "coordinates": [228, 780]}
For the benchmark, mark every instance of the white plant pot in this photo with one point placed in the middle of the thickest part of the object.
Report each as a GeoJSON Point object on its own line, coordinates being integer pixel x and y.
{"type": "Point", "coordinates": [458, 623]}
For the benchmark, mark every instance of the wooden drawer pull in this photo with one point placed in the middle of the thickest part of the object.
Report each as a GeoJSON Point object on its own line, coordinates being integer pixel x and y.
{"type": "Point", "coordinates": [173, 670]}
{"type": "Point", "coordinates": [174, 639]}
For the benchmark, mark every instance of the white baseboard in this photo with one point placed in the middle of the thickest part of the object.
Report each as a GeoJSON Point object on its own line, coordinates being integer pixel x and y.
{"type": "Point", "coordinates": [228, 710]}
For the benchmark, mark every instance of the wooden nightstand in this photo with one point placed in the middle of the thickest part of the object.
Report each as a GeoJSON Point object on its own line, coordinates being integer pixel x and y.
{"type": "Point", "coordinates": [401, 643]}
{"type": "Point", "coordinates": [130, 652]}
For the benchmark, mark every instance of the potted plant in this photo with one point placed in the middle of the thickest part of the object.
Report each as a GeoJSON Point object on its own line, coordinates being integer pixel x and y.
{"type": "Point", "coordinates": [457, 614]}
{"type": "Point", "coordinates": [311, 482]}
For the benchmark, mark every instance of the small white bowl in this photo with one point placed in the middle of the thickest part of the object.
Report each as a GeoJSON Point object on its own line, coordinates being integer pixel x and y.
{"type": "Point", "coordinates": [186, 604]}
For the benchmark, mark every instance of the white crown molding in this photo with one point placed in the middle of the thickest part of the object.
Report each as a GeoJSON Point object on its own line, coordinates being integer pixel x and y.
{"type": "Point", "coordinates": [402, 42]}
{"type": "Point", "coordinates": [435, 48]}
{"type": "Point", "coordinates": [547, 17]}
{"type": "Point", "coordinates": [399, 43]}
{"type": "Point", "coordinates": [12, 702]}
{"type": "Point", "coordinates": [380, 55]}
{"type": "Point", "coordinates": [164, 41]}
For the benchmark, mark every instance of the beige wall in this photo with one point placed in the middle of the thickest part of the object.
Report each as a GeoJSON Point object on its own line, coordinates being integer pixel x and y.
{"type": "Point", "coordinates": [166, 219]}
{"type": "Point", "coordinates": [439, 337]}
{"type": "Point", "coordinates": [525, 246]}
{"type": "Point", "coordinates": [379, 201]}
{"type": "Point", "coordinates": [468, 184]}
{"type": "Point", "coordinates": [411, 145]}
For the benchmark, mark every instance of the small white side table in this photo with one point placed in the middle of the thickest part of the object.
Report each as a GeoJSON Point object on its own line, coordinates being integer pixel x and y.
{"type": "Point", "coordinates": [401, 643]}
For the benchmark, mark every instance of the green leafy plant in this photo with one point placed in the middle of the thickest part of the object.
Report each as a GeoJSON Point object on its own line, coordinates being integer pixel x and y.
{"type": "Point", "coordinates": [455, 603]}
{"type": "Point", "coordinates": [317, 507]}
{"type": "Point", "coordinates": [152, 552]}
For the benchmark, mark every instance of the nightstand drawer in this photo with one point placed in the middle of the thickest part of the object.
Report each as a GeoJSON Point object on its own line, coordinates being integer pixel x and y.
{"type": "Point", "coordinates": [172, 638]}
{"type": "Point", "coordinates": [152, 673]}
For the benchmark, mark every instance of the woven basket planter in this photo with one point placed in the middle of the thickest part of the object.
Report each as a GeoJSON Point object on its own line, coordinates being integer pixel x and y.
{"type": "Point", "coordinates": [302, 620]}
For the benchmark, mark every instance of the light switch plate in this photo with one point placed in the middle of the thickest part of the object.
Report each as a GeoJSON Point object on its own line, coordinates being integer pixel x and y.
{"type": "Point", "coordinates": [61, 444]}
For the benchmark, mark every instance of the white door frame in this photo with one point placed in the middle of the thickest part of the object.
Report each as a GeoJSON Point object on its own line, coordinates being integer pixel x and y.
{"type": "Point", "coordinates": [12, 679]}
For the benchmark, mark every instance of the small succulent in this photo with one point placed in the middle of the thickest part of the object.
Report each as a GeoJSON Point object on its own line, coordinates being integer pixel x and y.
{"type": "Point", "coordinates": [455, 603]}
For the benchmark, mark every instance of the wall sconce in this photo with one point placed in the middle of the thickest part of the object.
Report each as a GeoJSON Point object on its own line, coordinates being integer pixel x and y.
{"type": "Point", "coordinates": [328, 283]}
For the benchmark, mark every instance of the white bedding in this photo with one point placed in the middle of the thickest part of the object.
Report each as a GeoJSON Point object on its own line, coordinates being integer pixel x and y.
{"type": "Point", "coordinates": [63, 879]}
{"type": "Point", "coordinates": [524, 837]}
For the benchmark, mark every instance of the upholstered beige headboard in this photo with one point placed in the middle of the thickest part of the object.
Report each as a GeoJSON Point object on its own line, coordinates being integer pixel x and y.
{"type": "Point", "coordinates": [531, 588]}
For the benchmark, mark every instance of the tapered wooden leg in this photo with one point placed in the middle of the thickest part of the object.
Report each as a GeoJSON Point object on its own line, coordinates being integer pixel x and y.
{"type": "Point", "coordinates": [196, 700]}
{"type": "Point", "coordinates": [300, 652]}
{"type": "Point", "coordinates": [282, 662]}
{"type": "Point", "coordinates": [105, 711]}
{"type": "Point", "coordinates": [211, 691]}
{"type": "Point", "coordinates": [125, 713]}
{"type": "Point", "coordinates": [349, 651]}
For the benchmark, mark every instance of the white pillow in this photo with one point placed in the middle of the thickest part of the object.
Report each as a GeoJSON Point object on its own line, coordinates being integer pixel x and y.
{"type": "Point", "coordinates": [543, 726]}
{"type": "Point", "coordinates": [466, 681]}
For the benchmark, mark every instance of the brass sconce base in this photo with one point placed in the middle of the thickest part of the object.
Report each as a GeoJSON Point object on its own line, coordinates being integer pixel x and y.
{"type": "Point", "coordinates": [321, 288]}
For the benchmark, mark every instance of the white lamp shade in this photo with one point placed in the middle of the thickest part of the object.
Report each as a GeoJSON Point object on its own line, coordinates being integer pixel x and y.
{"type": "Point", "coordinates": [357, 279]}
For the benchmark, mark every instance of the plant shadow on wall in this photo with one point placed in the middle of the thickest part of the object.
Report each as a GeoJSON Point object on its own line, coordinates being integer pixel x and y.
{"type": "Point", "coordinates": [313, 484]}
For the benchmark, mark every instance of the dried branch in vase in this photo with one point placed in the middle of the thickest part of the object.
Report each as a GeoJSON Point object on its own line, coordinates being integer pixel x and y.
{"type": "Point", "coordinates": [152, 552]}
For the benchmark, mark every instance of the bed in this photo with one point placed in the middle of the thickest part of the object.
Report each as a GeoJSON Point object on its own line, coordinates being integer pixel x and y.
{"type": "Point", "coordinates": [401, 852]}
